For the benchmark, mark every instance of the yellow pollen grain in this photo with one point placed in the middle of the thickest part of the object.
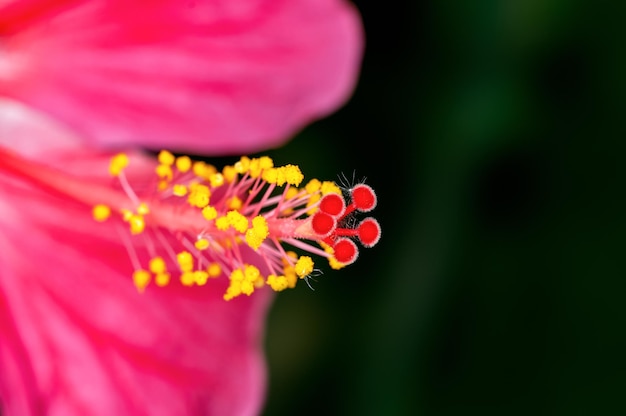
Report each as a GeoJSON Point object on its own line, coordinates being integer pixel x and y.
{"type": "Point", "coordinates": [216, 180]}
{"type": "Point", "coordinates": [293, 175]}
{"type": "Point", "coordinates": [242, 165]}
{"type": "Point", "coordinates": [214, 270]}
{"type": "Point", "coordinates": [165, 158]}
{"type": "Point", "coordinates": [335, 264]}
{"type": "Point", "coordinates": [237, 221]}
{"type": "Point", "coordinates": [162, 185]}
{"type": "Point", "coordinates": [162, 279]}
{"type": "Point", "coordinates": [183, 164]}
{"type": "Point", "coordinates": [313, 186]}
{"type": "Point", "coordinates": [304, 266]}
{"type": "Point", "coordinates": [201, 244]}
{"type": "Point", "coordinates": [235, 203]}
{"type": "Point", "coordinates": [291, 277]}
{"type": "Point", "coordinates": [136, 224]}
{"type": "Point", "coordinates": [266, 162]}
{"type": "Point", "coordinates": [258, 233]}
{"type": "Point", "coordinates": [329, 187]}
{"type": "Point", "coordinates": [209, 213]}
{"type": "Point", "coordinates": [118, 163]}
{"type": "Point", "coordinates": [229, 173]}
{"type": "Point", "coordinates": [199, 168]}
{"type": "Point", "coordinates": [200, 277]}
{"type": "Point", "coordinates": [222, 223]}
{"type": "Point", "coordinates": [185, 261]}
{"type": "Point", "coordinates": [277, 283]}
{"type": "Point", "coordinates": [179, 190]}
{"type": "Point", "coordinates": [199, 196]}
{"type": "Point", "coordinates": [143, 209]}
{"type": "Point", "coordinates": [270, 175]}
{"type": "Point", "coordinates": [141, 278]}
{"type": "Point", "coordinates": [247, 288]}
{"type": "Point", "coordinates": [157, 265]}
{"type": "Point", "coordinates": [187, 278]}
{"type": "Point", "coordinates": [126, 214]}
{"type": "Point", "coordinates": [101, 212]}
{"type": "Point", "coordinates": [164, 172]}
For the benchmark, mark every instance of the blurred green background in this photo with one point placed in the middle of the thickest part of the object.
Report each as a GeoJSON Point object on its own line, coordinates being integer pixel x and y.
{"type": "Point", "coordinates": [494, 133]}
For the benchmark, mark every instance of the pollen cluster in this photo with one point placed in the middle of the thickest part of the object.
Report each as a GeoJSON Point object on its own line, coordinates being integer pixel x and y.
{"type": "Point", "coordinates": [251, 223]}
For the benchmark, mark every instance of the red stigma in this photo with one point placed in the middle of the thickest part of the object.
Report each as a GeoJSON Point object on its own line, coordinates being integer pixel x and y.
{"type": "Point", "coordinates": [363, 198]}
{"type": "Point", "coordinates": [369, 232]}
{"type": "Point", "coordinates": [332, 204]}
{"type": "Point", "coordinates": [346, 251]}
{"type": "Point", "coordinates": [323, 223]}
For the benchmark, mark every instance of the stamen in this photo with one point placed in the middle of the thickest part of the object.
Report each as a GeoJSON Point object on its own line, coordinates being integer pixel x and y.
{"type": "Point", "coordinates": [200, 217]}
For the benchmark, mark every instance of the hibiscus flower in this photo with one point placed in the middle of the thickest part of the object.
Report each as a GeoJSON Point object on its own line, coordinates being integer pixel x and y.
{"type": "Point", "coordinates": [80, 331]}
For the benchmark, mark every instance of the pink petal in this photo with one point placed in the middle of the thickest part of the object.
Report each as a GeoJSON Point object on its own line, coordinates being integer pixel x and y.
{"type": "Point", "coordinates": [77, 338]}
{"type": "Point", "coordinates": [215, 76]}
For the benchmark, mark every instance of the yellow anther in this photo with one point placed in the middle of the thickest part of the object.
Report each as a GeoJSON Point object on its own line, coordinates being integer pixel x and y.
{"type": "Point", "coordinates": [251, 273]}
{"type": "Point", "coordinates": [291, 277]}
{"type": "Point", "coordinates": [162, 279]}
{"type": "Point", "coordinates": [258, 233]}
{"type": "Point", "coordinates": [259, 224]}
{"type": "Point", "coordinates": [291, 192]}
{"type": "Point", "coordinates": [141, 278]}
{"type": "Point", "coordinates": [162, 185]}
{"type": "Point", "coordinates": [266, 162]}
{"type": "Point", "coordinates": [101, 212]}
{"type": "Point", "coordinates": [187, 278]}
{"type": "Point", "coordinates": [277, 283]}
{"type": "Point", "coordinates": [118, 163]}
{"type": "Point", "coordinates": [293, 175]}
{"type": "Point", "coordinates": [157, 265]}
{"type": "Point", "coordinates": [166, 158]}
{"type": "Point", "coordinates": [126, 214]}
{"type": "Point", "coordinates": [304, 266]}
{"type": "Point", "coordinates": [214, 270]}
{"type": "Point", "coordinates": [235, 203]}
{"type": "Point", "coordinates": [270, 175]}
{"type": "Point", "coordinates": [292, 255]}
{"type": "Point", "coordinates": [230, 173]}
{"type": "Point", "coordinates": [329, 187]}
{"type": "Point", "coordinates": [313, 186]}
{"type": "Point", "coordinates": [247, 288]}
{"type": "Point", "coordinates": [185, 261]}
{"type": "Point", "coordinates": [313, 199]}
{"type": "Point", "coordinates": [143, 209]}
{"type": "Point", "coordinates": [209, 213]}
{"type": "Point", "coordinates": [237, 275]}
{"type": "Point", "coordinates": [201, 244]}
{"type": "Point", "coordinates": [216, 180]}
{"type": "Point", "coordinates": [237, 221]}
{"type": "Point", "coordinates": [200, 277]}
{"type": "Point", "coordinates": [183, 164]}
{"type": "Point", "coordinates": [136, 223]}
{"type": "Point", "coordinates": [222, 223]}
{"type": "Point", "coordinates": [242, 165]}
{"type": "Point", "coordinates": [255, 168]}
{"type": "Point", "coordinates": [199, 168]}
{"type": "Point", "coordinates": [179, 190]}
{"type": "Point", "coordinates": [199, 196]}
{"type": "Point", "coordinates": [234, 290]}
{"type": "Point", "coordinates": [164, 172]}
{"type": "Point", "coordinates": [259, 282]}
{"type": "Point", "coordinates": [335, 264]}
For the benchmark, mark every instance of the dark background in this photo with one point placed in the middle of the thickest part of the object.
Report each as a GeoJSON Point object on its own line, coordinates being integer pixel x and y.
{"type": "Point", "coordinates": [494, 133]}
